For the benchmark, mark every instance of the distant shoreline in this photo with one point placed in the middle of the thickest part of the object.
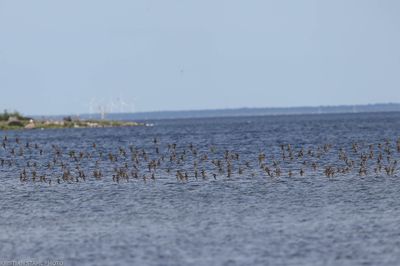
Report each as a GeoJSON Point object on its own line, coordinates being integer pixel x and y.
{"type": "Point", "coordinates": [240, 112]}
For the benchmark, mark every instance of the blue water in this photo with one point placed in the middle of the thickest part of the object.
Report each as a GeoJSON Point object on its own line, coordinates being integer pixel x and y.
{"type": "Point", "coordinates": [247, 218]}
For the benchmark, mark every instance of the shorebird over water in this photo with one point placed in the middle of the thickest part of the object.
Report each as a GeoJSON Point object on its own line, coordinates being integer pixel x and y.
{"type": "Point", "coordinates": [36, 163]}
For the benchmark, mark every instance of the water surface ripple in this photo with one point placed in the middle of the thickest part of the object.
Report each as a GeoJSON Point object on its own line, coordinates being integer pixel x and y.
{"type": "Point", "coordinates": [251, 219]}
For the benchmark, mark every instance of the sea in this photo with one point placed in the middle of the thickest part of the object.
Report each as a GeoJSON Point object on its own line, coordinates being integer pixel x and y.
{"type": "Point", "coordinates": [205, 191]}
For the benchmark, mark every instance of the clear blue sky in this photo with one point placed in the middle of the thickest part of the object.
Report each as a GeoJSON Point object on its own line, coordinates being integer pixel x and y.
{"type": "Point", "coordinates": [57, 57]}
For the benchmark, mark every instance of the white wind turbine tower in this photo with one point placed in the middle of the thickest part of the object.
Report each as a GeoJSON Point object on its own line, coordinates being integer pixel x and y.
{"type": "Point", "coordinates": [124, 106]}
{"type": "Point", "coordinates": [103, 111]}
{"type": "Point", "coordinates": [120, 105]}
{"type": "Point", "coordinates": [101, 107]}
{"type": "Point", "coordinates": [112, 106]}
{"type": "Point", "coordinates": [132, 106]}
{"type": "Point", "coordinates": [92, 106]}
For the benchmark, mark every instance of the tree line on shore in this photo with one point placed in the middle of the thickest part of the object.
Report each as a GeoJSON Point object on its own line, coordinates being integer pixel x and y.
{"type": "Point", "coordinates": [5, 116]}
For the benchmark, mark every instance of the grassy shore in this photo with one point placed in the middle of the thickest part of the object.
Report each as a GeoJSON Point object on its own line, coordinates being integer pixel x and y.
{"type": "Point", "coordinates": [66, 124]}
{"type": "Point", "coordinates": [15, 121]}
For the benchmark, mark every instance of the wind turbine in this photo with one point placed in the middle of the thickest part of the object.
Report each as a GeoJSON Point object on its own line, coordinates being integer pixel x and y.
{"type": "Point", "coordinates": [124, 106]}
{"type": "Point", "coordinates": [112, 106]}
{"type": "Point", "coordinates": [92, 103]}
{"type": "Point", "coordinates": [103, 111]}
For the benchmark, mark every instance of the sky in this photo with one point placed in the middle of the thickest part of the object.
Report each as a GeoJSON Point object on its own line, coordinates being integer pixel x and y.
{"type": "Point", "coordinates": [72, 57]}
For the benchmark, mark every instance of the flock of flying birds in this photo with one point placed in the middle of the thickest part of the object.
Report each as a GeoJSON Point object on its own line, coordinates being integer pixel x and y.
{"type": "Point", "coordinates": [52, 164]}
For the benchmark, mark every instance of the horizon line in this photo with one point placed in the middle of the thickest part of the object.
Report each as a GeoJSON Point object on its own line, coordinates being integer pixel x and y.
{"type": "Point", "coordinates": [223, 109]}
